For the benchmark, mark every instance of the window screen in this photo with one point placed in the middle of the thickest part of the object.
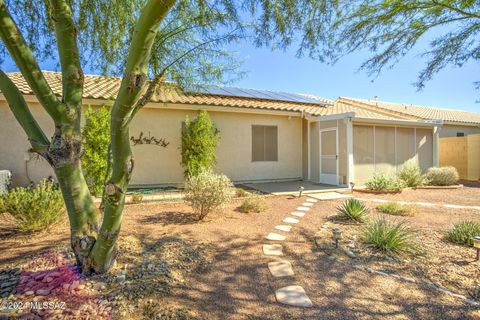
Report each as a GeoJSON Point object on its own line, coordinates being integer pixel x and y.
{"type": "Point", "coordinates": [460, 134]}
{"type": "Point", "coordinates": [264, 143]}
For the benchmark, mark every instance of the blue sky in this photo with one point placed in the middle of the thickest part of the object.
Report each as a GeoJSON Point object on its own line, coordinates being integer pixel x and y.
{"type": "Point", "coordinates": [281, 71]}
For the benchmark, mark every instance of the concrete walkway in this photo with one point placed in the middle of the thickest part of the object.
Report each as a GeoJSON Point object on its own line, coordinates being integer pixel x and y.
{"type": "Point", "coordinates": [292, 187]}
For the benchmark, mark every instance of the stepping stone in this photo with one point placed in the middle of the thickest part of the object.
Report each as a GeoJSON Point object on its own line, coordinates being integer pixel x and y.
{"type": "Point", "coordinates": [303, 209]}
{"type": "Point", "coordinates": [311, 200]}
{"type": "Point", "coordinates": [282, 227]}
{"type": "Point", "coordinates": [323, 196]}
{"type": "Point", "coordinates": [307, 204]}
{"type": "Point", "coordinates": [298, 214]}
{"type": "Point", "coordinates": [280, 268]}
{"type": "Point", "coordinates": [293, 296]}
{"type": "Point", "coordinates": [453, 206]}
{"type": "Point", "coordinates": [290, 220]}
{"type": "Point", "coordinates": [427, 204]}
{"type": "Point", "coordinates": [275, 236]}
{"type": "Point", "coordinates": [272, 249]}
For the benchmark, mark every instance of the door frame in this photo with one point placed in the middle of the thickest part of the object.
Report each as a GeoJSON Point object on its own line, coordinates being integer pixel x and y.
{"type": "Point", "coordinates": [331, 179]}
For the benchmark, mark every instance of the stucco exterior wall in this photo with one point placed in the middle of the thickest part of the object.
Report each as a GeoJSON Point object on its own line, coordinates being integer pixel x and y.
{"type": "Point", "coordinates": [451, 130]}
{"type": "Point", "coordinates": [156, 165]}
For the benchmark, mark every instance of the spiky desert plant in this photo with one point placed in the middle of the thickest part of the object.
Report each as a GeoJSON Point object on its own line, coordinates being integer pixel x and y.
{"type": "Point", "coordinates": [396, 209]}
{"type": "Point", "coordinates": [463, 231]}
{"type": "Point", "coordinates": [389, 236]}
{"type": "Point", "coordinates": [352, 210]}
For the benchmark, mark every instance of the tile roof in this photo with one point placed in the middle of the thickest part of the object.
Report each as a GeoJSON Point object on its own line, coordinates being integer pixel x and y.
{"type": "Point", "coordinates": [336, 107]}
{"type": "Point", "coordinates": [417, 111]}
{"type": "Point", "coordinates": [106, 88]}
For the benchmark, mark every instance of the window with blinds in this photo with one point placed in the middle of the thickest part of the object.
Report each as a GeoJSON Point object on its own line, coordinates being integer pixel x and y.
{"type": "Point", "coordinates": [264, 143]}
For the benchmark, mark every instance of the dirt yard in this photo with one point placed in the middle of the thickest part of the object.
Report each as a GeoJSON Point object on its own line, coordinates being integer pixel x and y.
{"type": "Point", "coordinates": [223, 273]}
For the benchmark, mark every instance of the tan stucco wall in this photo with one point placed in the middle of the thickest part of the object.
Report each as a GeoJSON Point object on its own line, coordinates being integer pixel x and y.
{"type": "Point", "coordinates": [156, 165]}
{"type": "Point", "coordinates": [451, 131]}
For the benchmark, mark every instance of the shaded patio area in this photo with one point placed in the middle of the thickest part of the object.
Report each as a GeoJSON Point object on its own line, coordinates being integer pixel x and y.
{"type": "Point", "coordinates": [291, 187]}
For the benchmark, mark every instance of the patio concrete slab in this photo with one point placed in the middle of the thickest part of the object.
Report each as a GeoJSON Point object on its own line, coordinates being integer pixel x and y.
{"type": "Point", "coordinates": [323, 196]}
{"type": "Point", "coordinates": [272, 249]}
{"type": "Point", "coordinates": [283, 227]}
{"type": "Point", "coordinates": [292, 187]}
{"type": "Point", "coordinates": [275, 236]}
{"type": "Point", "coordinates": [298, 213]}
{"type": "Point", "coordinates": [290, 220]}
{"type": "Point", "coordinates": [293, 296]}
{"type": "Point", "coordinates": [280, 269]}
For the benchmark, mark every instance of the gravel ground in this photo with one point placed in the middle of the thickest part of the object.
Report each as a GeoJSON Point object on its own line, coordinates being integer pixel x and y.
{"type": "Point", "coordinates": [234, 282]}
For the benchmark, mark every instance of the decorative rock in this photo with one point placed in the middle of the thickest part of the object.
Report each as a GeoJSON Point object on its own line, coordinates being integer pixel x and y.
{"type": "Point", "coordinates": [298, 213]}
{"type": "Point", "coordinates": [303, 209]}
{"type": "Point", "coordinates": [307, 204]}
{"type": "Point", "coordinates": [351, 254]}
{"type": "Point", "coordinates": [290, 220]}
{"type": "Point", "coordinates": [275, 236]}
{"type": "Point", "coordinates": [121, 278]}
{"type": "Point", "coordinates": [280, 268]}
{"type": "Point", "coordinates": [29, 293]}
{"type": "Point", "coordinates": [43, 292]}
{"type": "Point", "coordinates": [294, 296]}
{"type": "Point", "coordinates": [407, 279]}
{"type": "Point", "coordinates": [282, 227]}
{"type": "Point", "coordinates": [272, 249]}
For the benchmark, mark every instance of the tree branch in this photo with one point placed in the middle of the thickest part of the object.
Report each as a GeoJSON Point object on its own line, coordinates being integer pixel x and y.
{"type": "Point", "coordinates": [457, 10]}
{"type": "Point", "coordinates": [24, 59]}
{"type": "Point", "coordinates": [72, 74]}
{"type": "Point", "coordinates": [19, 107]}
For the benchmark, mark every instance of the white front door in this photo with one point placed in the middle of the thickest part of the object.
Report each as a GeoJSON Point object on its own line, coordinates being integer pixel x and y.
{"type": "Point", "coordinates": [329, 156]}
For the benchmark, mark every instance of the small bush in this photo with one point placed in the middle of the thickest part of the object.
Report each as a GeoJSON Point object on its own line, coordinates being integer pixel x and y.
{"type": "Point", "coordinates": [396, 209]}
{"type": "Point", "coordinates": [411, 174]}
{"type": "Point", "coordinates": [137, 198]}
{"type": "Point", "coordinates": [443, 176]}
{"type": "Point", "coordinates": [463, 231]}
{"type": "Point", "coordinates": [239, 192]}
{"type": "Point", "coordinates": [206, 192]}
{"type": "Point", "coordinates": [253, 203]}
{"type": "Point", "coordinates": [383, 182]}
{"type": "Point", "coordinates": [389, 237]}
{"type": "Point", "coordinates": [36, 208]}
{"type": "Point", "coordinates": [352, 210]}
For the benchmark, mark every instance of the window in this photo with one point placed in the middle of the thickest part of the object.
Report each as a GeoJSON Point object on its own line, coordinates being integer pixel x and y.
{"type": "Point", "coordinates": [264, 143]}
{"type": "Point", "coordinates": [460, 134]}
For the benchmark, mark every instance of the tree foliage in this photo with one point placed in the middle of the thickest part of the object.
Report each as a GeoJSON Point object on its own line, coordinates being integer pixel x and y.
{"type": "Point", "coordinates": [96, 138]}
{"type": "Point", "coordinates": [199, 144]}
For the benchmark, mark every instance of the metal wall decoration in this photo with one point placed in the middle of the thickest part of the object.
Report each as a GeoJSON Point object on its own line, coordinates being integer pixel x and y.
{"type": "Point", "coordinates": [161, 142]}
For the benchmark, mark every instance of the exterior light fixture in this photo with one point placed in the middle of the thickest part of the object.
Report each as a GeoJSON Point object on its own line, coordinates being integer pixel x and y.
{"type": "Point", "coordinates": [476, 245]}
{"type": "Point", "coordinates": [337, 235]}
{"type": "Point", "coordinates": [300, 190]}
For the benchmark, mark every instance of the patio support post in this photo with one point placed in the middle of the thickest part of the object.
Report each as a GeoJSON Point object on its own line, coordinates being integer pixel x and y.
{"type": "Point", "coordinates": [436, 149]}
{"type": "Point", "coordinates": [309, 152]}
{"type": "Point", "coordinates": [350, 166]}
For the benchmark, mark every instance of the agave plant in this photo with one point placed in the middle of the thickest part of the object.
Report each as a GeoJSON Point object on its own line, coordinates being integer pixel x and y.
{"type": "Point", "coordinates": [389, 237]}
{"type": "Point", "coordinates": [352, 210]}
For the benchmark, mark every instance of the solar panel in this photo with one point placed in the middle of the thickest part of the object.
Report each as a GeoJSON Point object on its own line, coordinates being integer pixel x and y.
{"type": "Point", "coordinates": [258, 94]}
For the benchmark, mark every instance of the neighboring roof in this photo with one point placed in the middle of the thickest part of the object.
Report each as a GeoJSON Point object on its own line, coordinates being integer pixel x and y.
{"type": "Point", "coordinates": [336, 107]}
{"type": "Point", "coordinates": [417, 111]}
{"type": "Point", "coordinates": [106, 88]}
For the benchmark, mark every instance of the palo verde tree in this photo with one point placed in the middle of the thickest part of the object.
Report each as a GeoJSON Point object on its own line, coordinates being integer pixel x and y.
{"type": "Point", "coordinates": [147, 42]}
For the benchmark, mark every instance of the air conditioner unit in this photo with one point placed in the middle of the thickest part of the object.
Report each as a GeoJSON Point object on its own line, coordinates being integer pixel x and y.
{"type": "Point", "coordinates": [5, 179]}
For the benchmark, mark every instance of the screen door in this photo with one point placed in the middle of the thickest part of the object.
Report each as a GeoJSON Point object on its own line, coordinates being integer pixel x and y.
{"type": "Point", "coordinates": [329, 156]}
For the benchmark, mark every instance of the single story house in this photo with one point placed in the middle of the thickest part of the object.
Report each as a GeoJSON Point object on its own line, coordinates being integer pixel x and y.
{"type": "Point", "coordinates": [456, 123]}
{"type": "Point", "coordinates": [264, 135]}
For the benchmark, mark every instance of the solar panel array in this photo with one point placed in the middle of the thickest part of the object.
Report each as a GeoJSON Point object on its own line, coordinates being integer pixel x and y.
{"type": "Point", "coordinates": [258, 94]}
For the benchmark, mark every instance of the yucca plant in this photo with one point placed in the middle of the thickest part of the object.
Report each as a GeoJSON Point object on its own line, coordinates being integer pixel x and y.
{"type": "Point", "coordinates": [389, 237]}
{"type": "Point", "coordinates": [463, 231]}
{"type": "Point", "coordinates": [352, 210]}
{"type": "Point", "coordinates": [395, 208]}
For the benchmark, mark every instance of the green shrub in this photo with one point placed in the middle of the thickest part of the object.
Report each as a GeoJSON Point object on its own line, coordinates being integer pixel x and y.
{"type": "Point", "coordinates": [463, 231]}
{"type": "Point", "coordinates": [199, 143]}
{"type": "Point", "coordinates": [352, 210]}
{"type": "Point", "coordinates": [253, 203]}
{"type": "Point", "coordinates": [96, 136]}
{"type": "Point", "coordinates": [443, 176]}
{"type": "Point", "coordinates": [384, 182]}
{"type": "Point", "coordinates": [411, 174]}
{"type": "Point", "coordinates": [239, 192]}
{"type": "Point", "coordinates": [206, 192]}
{"type": "Point", "coordinates": [389, 237]}
{"type": "Point", "coordinates": [36, 208]}
{"type": "Point", "coordinates": [2, 205]}
{"type": "Point", "coordinates": [396, 209]}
